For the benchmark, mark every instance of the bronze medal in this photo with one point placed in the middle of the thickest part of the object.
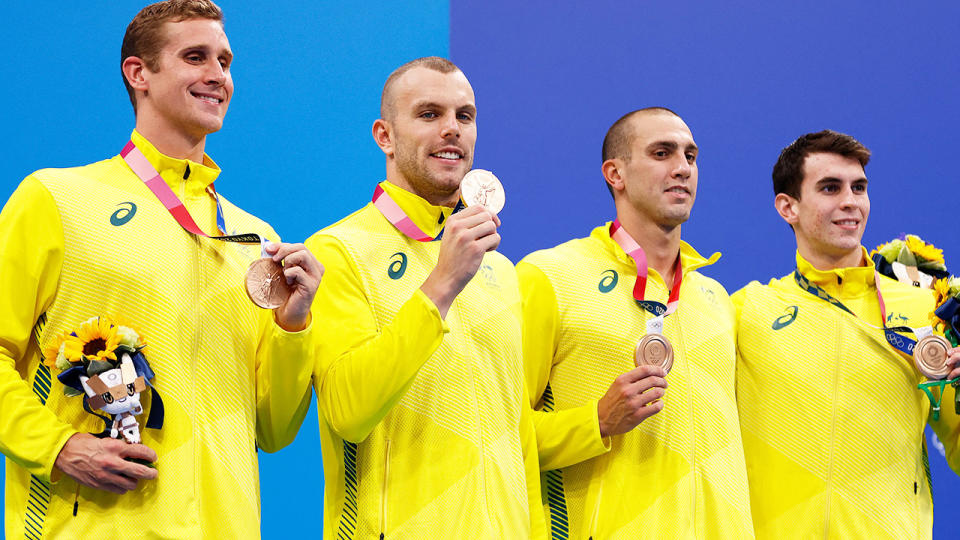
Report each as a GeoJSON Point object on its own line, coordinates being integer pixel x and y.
{"type": "Point", "coordinates": [480, 187]}
{"type": "Point", "coordinates": [654, 350]}
{"type": "Point", "coordinates": [930, 357]}
{"type": "Point", "coordinates": [266, 285]}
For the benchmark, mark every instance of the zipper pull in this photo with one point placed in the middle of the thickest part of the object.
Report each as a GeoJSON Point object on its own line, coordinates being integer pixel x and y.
{"type": "Point", "coordinates": [76, 500]}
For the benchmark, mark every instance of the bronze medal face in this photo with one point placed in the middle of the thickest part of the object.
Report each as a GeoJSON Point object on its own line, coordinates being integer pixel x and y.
{"type": "Point", "coordinates": [654, 350]}
{"type": "Point", "coordinates": [480, 187]}
{"type": "Point", "coordinates": [266, 285]}
{"type": "Point", "coordinates": [930, 356]}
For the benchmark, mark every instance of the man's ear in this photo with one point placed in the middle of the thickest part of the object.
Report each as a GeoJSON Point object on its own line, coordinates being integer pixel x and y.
{"type": "Point", "coordinates": [611, 173]}
{"type": "Point", "coordinates": [787, 208]}
{"type": "Point", "coordinates": [383, 135]}
{"type": "Point", "coordinates": [133, 68]}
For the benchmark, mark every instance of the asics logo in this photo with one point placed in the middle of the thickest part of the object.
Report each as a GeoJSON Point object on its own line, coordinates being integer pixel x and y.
{"type": "Point", "coordinates": [124, 214]}
{"type": "Point", "coordinates": [788, 317]}
{"type": "Point", "coordinates": [398, 266]}
{"type": "Point", "coordinates": [608, 281]}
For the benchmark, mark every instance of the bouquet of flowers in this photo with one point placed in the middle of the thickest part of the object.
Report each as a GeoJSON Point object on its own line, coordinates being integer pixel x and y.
{"type": "Point", "coordinates": [911, 260]}
{"type": "Point", "coordinates": [103, 362]}
{"type": "Point", "coordinates": [946, 315]}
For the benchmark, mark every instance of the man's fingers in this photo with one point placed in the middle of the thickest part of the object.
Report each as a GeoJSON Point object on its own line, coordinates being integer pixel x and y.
{"type": "Point", "coordinates": [648, 410]}
{"type": "Point", "coordinates": [642, 372]}
{"type": "Point", "coordinates": [284, 249]}
{"type": "Point", "coordinates": [647, 383]}
{"type": "Point", "coordinates": [489, 242]}
{"type": "Point", "coordinates": [469, 218]}
{"type": "Point", "coordinates": [138, 451]}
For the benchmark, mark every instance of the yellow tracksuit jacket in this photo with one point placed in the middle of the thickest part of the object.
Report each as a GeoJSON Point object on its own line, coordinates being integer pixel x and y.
{"type": "Point", "coordinates": [423, 421]}
{"type": "Point", "coordinates": [94, 240]}
{"type": "Point", "coordinates": [680, 473]}
{"type": "Point", "coordinates": [831, 416]}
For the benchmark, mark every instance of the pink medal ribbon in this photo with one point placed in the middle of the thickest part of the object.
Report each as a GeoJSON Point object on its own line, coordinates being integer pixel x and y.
{"type": "Point", "coordinates": [395, 215]}
{"type": "Point", "coordinates": [633, 249]}
{"type": "Point", "coordinates": [148, 174]}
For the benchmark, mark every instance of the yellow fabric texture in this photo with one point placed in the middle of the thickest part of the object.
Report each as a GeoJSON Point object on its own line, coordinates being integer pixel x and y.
{"type": "Point", "coordinates": [227, 374]}
{"type": "Point", "coordinates": [424, 429]}
{"type": "Point", "coordinates": [831, 416]}
{"type": "Point", "coordinates": [680, 473]}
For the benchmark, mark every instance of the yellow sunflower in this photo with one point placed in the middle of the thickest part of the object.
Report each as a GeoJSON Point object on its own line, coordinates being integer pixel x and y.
{"type": "Point", "coordinates": [95, 339]}
{"type": "Point", "coordinates": [924, 250]}
{"type": "Point", "coordinates": [52, 350]}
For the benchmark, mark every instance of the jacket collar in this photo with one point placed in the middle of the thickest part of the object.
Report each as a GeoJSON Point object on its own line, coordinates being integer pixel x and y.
{"type": "Point", "coordinates": [174, 171]}
{"type": "Point", "coordinates": [429, 218]}
{"type": "Point", "coordinates": [690, 259]}
{"type": "Point", "coordinates": [850, 281]}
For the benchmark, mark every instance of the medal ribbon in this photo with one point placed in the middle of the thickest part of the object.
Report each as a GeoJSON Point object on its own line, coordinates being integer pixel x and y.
{"type": "Point", "coordinates": [633, 249]}
{"type": "Point", "coordinates": [898, 341]}
{"type": "Point", "coordinates": [148, 174]}
{"type": "Point", "coordinates": [395, 215]}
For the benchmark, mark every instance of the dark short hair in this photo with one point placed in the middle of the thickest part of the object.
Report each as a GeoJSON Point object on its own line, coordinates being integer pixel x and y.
{"type": "Point", "coordinates": [616, 144]}
{"type": "Point", "coordinates": [788, 171]}
{"type": "Point", "coordinates": [435, 63]}
{"type": "Point", "coordinates": [145, 37]}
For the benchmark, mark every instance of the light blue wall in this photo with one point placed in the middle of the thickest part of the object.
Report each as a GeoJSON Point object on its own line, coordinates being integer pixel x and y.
{"type": "Point", "coordinates": [296, 148]}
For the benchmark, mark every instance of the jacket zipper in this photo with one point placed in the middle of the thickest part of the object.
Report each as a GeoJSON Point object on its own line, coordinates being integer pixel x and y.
{"type": "Point", "coordinates": [383, 490]}
{"type": "Point", "coordinates": [76, 500]}
{"type": "Point", "coordinates": [833, 428]}
{"type": "Point", "coordinates": [596, 506]}
{"type": "Point", "coordinates": [692, 424]}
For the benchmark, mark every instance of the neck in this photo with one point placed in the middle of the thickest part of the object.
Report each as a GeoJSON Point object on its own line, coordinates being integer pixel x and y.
{"type": "Point", "coordinates": [433, 196]}
{"type": "Point", "coordinates": [661, 245]}
{"type": "Point", "coordinates": [826, 261]}
{"type": "Point", "coordinates": [171, 142]}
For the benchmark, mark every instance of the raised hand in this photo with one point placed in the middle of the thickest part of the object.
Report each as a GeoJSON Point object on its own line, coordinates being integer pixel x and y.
{"type": "Point", "coordinates": [303, 274]}
{"type": "Point", "coordinates": [466, 237]}
{"type": "Point", "coordinates": [632, 398]}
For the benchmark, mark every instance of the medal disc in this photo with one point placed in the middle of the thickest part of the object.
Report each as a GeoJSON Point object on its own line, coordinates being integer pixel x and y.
{"type": "Point", "coordinates": [480, 187]}
{"type": "Point", "coordinates": [654, 350]}
{"type": "Point", "coordinates": [930, 356]}
{"type": "Point", "coordinates": [266, 285]}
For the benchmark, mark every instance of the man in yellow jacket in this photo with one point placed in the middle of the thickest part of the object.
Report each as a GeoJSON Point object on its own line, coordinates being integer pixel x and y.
{"type": "Point", "coordinates": [419, 375]}
{"type": "Point", "coordinates": [831, 416]}
{"type": "Point", "coordinates": [636, 452]}
{"type": "Point", "coordinates": [104, 241]}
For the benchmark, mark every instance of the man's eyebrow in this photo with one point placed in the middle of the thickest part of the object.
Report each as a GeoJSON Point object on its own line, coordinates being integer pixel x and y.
{"type": "Point", "coordinates": [426, 104]}
{"type": "Point", "coordinates": [226, 53]}
{"type": "Point", "coordinates": [672, 145]}
{"type": "Point", "coordinates": [667, 145]}
{"type": "Point", "coordinates": [835, 180]}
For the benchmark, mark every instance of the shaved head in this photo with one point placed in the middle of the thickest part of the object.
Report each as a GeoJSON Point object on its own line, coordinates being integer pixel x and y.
{"type": "Point", "coordinates": [617, 142]}
{"type": "Point", "coordinates": [388, 109]}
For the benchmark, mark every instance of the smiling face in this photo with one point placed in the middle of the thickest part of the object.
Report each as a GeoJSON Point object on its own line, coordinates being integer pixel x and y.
{"type": "Point", "coordinates": [189, 93]}
{"type": "Point", "coordinates": [831, 214]}
{"type": "Point", "coordinates": [430, 135]}
{"type": "Point", "coordinates": [659, 179]}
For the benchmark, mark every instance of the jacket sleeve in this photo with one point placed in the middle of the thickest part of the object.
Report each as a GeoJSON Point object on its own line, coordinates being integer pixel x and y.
{"type": "Point", "coordinates": [361, 370]}
{"type": "Point", "coordinates": [32, 238]}
{"type": "Point", "coordinates": [564, 437]}
{"type": "Point", "coordinates": [284, 373]}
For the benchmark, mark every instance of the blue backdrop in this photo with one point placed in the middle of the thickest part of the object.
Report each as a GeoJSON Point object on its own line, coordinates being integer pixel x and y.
{"type": "Point", "coordinates": [550, 78]}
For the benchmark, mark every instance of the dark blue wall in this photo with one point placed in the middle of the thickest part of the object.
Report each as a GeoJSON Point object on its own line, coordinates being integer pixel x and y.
{"type": "Point", "coordinates": [748, 78]}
